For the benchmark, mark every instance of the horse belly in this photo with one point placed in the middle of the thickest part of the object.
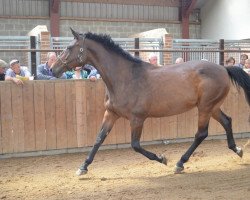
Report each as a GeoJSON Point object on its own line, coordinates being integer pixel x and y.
{"type": "Point", "coordinates": [173, 103]}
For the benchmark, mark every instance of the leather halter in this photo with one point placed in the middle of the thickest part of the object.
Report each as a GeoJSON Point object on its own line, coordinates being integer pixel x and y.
{"type": "Point", "coordinates": [80, 57]}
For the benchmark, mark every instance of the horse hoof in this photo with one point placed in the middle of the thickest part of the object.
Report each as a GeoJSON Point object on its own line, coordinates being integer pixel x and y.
{"type": "Point", "coordinates": [178, 170]}
{"type": "Point", "coordinates": [164, 160]}
{"type": "Point", "coordinates": [80, 172]}
{"type": "Point", "coordinates": [239, 151]}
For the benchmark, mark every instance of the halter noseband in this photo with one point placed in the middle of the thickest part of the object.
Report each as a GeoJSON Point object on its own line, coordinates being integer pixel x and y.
{"type": "Point", "coordinates": [80, 57]}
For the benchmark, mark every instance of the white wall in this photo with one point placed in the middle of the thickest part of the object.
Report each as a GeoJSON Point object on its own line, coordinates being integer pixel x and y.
{"type": "Point", "coordinates": [225, 19]}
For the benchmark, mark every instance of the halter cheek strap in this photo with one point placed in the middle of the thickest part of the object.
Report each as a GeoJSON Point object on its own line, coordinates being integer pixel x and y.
{"type": "Point", "coordinates": [65, 64]}
{"type": "Point", "coordinates": [80, 57]}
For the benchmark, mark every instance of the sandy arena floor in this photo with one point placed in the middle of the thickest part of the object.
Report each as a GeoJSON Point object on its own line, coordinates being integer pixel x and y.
{"type": "Point", "coordinates": [213, 172]}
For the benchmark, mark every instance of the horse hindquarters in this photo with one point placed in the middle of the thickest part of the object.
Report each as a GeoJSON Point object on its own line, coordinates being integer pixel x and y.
{"type": "Point", "coordinates": [213, 92]}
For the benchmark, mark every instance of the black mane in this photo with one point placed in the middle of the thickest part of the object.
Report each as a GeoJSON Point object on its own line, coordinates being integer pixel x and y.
{"type": "Point", "coordinates": [108, 43]}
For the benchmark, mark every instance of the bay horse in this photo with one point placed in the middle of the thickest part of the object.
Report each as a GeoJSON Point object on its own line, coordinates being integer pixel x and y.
{"type": "Point", "coordinates": [137, 90]}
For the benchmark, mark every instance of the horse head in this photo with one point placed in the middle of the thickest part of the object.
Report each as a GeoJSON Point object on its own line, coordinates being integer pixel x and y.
{"type": "Point", "coordinates": [73, 56]}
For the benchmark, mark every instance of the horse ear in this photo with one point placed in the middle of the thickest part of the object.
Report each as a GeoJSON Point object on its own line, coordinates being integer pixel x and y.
{"type": "Point", "coordinates": [76, 35]}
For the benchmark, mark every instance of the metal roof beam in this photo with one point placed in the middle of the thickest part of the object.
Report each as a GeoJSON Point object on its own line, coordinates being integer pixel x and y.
{"type": "Point", "coordinates": [187, 6]}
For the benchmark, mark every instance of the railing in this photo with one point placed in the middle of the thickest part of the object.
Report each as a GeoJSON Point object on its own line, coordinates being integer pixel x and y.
{"type": "Point", "coordinates": [200, 45]}
{"type": "Point", "coordinates": [9, 43]}
{"type": "Point", "coordinates": [51, 115]}
{"type": "Point", "coordinates": [27, 49]}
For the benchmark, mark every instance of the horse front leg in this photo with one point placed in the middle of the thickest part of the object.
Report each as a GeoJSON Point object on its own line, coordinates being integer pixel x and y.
{"type": "Point", "coordinates": [107, 124]}
{"type": "Point", "coordinates": [136, 131]}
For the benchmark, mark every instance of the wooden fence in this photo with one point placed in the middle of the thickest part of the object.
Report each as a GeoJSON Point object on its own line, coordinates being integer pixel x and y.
{"type": "Point", "coordinates": [48, 115]}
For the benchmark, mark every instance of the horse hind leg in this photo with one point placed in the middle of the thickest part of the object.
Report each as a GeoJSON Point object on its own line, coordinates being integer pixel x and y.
{"type": "Point", "coordinates": [201, 134]}
{"type": "Point", "coordinates": [136, 131]}
{"type": "Point", "coordinates": [226, 122]}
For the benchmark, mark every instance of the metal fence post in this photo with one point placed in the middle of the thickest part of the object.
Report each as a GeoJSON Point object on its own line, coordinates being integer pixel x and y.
{"type": "Point", "coordinates": [33, 55]}
{"type": "Point", "coordinates": [137, 46]}
{"type": "Point", "coordinates": [221, 54]}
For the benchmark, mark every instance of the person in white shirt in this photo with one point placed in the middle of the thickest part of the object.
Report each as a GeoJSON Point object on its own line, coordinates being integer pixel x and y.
{"type": "Point", "coordinates": [179, 60]}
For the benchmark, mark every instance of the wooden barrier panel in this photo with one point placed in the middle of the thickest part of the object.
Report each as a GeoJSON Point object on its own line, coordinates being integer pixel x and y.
{"type": "Point", "coordinates": [28, 117]}
{"type": "Point", "coordinates": [70, 102]}
{"type": "Point", "coordinates": [7, 136]}
{"type": "Point", "coordinates": [47, 115]}
{"type": "Point", "coordinates": [50, 115]}
{"type": "Point", "coordinates": [39, 110]}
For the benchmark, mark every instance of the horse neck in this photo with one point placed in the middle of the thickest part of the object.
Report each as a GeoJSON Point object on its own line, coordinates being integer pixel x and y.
{"type": "Point", "coordinates": [109, 64]}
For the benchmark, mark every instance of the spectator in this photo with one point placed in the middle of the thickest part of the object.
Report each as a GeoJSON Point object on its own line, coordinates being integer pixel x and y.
{"type": "Point", "coordinates": [69, 74]}
{"type": "Point", "coordinates": [179, 60]}
{"type": "Point", "coordinates": [15, 73]}
{"type": "Point", "coordinates": [77, 73]}
{"type": "Point", "coordinates": [93, 74]}
{"type": "Point", "coordinates": [230, 61]}
{"type": "Point", "coordinates": [80, 73]}
{"type": "Point", "coordinates": [152, 58]}
{"type": "Point", "coordinates": [85, 72]}
{"type": "Point", "coordinates": [246, 67]}
{"type": "Point", "coordinates": [243, 58]}
{"type": "Point", "coordinates": [44, 70]}
{"type": "Point", "coordinates": [3, 66]}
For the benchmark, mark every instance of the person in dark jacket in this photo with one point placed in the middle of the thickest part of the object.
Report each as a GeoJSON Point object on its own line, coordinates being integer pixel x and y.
{"type": "Point", "coordinates": [3, 66]}
{"type": "Point", "coordinates": [43, 70]}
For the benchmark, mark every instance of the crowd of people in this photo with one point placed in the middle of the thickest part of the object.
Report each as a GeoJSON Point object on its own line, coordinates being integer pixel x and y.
{"type": "Point", "coordinates": [244, 61]}
{"type": "Point", "coordinates": [18, 74]}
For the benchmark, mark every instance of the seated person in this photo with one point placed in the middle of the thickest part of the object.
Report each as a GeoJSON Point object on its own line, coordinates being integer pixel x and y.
{"type": "Point", "coordinates": [246, 67]}
{"type": "Point", "coordinates": [80, 73]}
{"type": "Point", "coordinates": [3, 66]}
{"type": "Point", "coordinates": [243, 58]}
{"type": "Point", "coordinates": [77, 73]}
{"type": "Point", "coordinates": [69, 74]}
{"type": "Point", "coordinates": [44, 70]}
{"type": "Point", "coordinates": [153, 59]}
{"type": "Point", "coordinates": [179, 60]}
{"type": "Point", "coordinates": [93, 74]}
{"type": "Point", "coordinates": [230, 61]}
{"type": "Point", "coordinates": [16, 71]}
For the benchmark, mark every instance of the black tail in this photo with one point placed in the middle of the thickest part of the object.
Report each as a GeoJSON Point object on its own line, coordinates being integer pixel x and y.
{"type": "Point", "coordinates": [240, 78]}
